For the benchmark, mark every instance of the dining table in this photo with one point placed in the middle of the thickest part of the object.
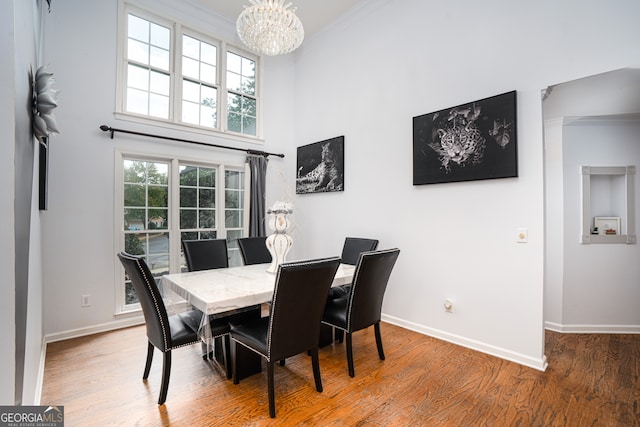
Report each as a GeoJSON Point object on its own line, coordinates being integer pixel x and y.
{"type": "Point", "coordinates": [224, 291]}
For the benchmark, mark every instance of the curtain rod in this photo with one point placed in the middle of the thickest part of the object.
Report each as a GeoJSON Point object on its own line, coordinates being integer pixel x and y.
{"type": "Point", "coordinates": [106, 128]}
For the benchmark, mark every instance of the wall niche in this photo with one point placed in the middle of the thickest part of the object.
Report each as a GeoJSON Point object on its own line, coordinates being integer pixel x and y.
{"type": "Point", "coordinates": [608, 204]}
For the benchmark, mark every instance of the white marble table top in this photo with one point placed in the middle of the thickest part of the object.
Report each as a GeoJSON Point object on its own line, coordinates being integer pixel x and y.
{"type": "Point", "coordinates": [226, 289]}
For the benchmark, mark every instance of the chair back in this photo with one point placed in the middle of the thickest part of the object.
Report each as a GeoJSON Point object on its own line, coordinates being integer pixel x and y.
{"type": "Point", "coordinates": [354, 246]}
{"type": "Point", "coordinates": [299, 297]}
{"type": "Point", "coordinates": [254, 250]}
{"type": "Point", "coordinates": [368, 287]}
{"type": "Point", "coordinates": [153, 308]}
{"type": "Point", "coordinates": [205, 254]}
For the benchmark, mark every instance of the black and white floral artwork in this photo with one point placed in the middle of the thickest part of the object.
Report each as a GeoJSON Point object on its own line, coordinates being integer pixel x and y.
{"type": "Point", "coordinates": [468, 142]}
{"type": "Point", "coordinates": [320, 166]}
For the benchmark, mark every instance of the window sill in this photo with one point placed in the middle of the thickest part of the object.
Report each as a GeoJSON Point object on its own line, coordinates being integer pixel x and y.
{"type": "Point", "coordinates": [189, 129]}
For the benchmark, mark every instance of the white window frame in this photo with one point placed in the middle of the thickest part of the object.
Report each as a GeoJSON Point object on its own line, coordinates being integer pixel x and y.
{"type": "Point", "coordinates": [121, 308]}
{"type": "Point", "coordinates": [175, 110]}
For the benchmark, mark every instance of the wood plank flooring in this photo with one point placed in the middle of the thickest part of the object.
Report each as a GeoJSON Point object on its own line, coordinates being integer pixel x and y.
{"type": "Point", "coordinates": [592, 380]}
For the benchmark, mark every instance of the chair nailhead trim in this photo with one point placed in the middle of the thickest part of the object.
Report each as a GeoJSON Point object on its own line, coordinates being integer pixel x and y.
{"type": "Point", "coordinates": [155, 302]}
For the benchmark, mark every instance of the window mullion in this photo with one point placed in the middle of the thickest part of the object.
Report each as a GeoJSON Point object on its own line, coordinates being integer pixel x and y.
{"type": "Point", "coordinates": [174, 216]}
{"type": "Point", "coordinates": [220, 203]}
{"type": "Point", "coordinates": [223, 92]}
{"type": "Point", "coordinates": [176, 74]}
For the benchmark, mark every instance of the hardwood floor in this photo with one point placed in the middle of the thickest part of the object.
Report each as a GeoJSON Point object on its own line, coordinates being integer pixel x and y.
{"type": "Point", "coordinates": [592, 380]}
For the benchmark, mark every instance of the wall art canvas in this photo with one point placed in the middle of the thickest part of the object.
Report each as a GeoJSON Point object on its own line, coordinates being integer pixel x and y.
{"type": "Point", "coordinates": [468, 142]}
{"type": "Point", "coordinates": [320, 167]}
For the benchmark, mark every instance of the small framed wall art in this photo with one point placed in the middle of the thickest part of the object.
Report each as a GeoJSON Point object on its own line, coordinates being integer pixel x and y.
{"type": "Point", "coordinates": [468, 142]}
{"type": "Point", "coordinates": [607, 225]}
{"type": "Point", "coordinates": [320, 167]}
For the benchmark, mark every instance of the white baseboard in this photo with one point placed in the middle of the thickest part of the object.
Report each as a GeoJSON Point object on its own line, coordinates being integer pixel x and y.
{"type": "Point", "coordinates": [539, 364]}
{"type": "Point", "coordinates": [95, 329]}
{"type": "Point", "coordinates": [592, 329]}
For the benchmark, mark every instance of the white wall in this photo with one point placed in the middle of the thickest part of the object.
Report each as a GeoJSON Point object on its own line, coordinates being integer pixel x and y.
{"type": "Point", "coordinates": [79, 235]}
{"type": "Point", "coordinates": [21, 283]}
{"type": "Point", "coordinates": [576, 299]}
{"type": "Point", "coordinates": [365, 78]}
{"type": "Point", "coordinates": [368, 75]}
{"type": "Point", "coordinates": [601, 291]}
{"type": "Point", "coordinates": [7, 192]}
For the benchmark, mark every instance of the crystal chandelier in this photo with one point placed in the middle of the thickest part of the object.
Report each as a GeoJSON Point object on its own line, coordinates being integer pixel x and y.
{"type": "Point", "coordinates": [269, 27]}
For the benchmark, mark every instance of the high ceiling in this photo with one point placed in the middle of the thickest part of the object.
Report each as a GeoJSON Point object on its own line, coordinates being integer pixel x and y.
{"type": "Point", "coordinates": [314, 14]}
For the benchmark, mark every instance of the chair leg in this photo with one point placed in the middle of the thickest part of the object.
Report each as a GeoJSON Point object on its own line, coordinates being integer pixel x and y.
{"type": "Point", "coordinates": [166, 372]}
{"type": "Point", "coordinates": [272, 398]}
{"type": "Point", "coordinates": [316, 369]}
{"type": "Point", "coordinates": [350, 355]}
{"type": "Point", "coordinates": [282, 362]}
{"type": "Point", "coordinates": [147, 366]}
{"type": "Point", "coordinates": [376, 328]}
{"type": "Point", "coordinates": [236, 377]}
{"type": "Point", "coordinates": [339, 335]}
{"type": "Point", "coordinates": [227, 356]}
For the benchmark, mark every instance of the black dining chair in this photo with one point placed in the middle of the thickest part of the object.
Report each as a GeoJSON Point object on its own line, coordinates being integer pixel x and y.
{"type": "Point", "coordinates": [164, 332]}
{"type": "Point", "coordinates": [351, 250]}
{"type": "Point", "coordinates": [254, 250]}
{"type": "Point", "coordinates": [293, 324]}
{"type": "Point", "coordinates": [362, 306]}
{"type": "Point", "coordinates": [354, 246]}
{"type": "Point", "coordinates": [205, 254]}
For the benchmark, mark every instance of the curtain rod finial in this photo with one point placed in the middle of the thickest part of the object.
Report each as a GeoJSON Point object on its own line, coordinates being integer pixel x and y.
{"type": "Point", "coordinates": [106, 128]}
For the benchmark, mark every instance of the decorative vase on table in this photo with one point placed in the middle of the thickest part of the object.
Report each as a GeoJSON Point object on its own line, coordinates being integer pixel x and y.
{"type": "Point", "coordinates": [279, 243]}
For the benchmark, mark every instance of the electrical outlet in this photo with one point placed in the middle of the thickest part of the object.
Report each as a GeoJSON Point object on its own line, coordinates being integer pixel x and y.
{"type": "Point", "coordinates": [448, 305]}
{"type": "Point", "coordinates": [86, 301]}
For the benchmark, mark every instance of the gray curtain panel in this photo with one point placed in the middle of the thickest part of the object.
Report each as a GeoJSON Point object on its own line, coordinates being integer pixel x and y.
{"type": "Point", "coordinates": [258, 167]}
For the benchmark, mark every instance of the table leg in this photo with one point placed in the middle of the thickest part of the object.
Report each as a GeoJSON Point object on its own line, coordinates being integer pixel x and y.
{"type": "Point", "coordinates": [326, 335]}
{"type": "Point", "coordinates": [249, 362]}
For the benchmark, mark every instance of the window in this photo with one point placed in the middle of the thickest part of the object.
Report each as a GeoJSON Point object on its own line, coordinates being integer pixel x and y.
{"type": "Point", "coordinates": [164, 201]}
{"type": "Point", "coordinates": [173, 74]}
{"type": "Point", "coordinates": [197, 204]}
{"type": "Point", "coordinates": [148, 77]}
{"type": "Point", "coordinates": [199, 82]}
{"type": "Point", "coordinates": [241, 83]}
{"type": "Point", "coordinates": [145, 215]}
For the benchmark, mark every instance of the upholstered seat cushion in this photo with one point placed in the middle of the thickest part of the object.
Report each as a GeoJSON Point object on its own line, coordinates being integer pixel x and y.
{"type": "Point", "coordinates": [193, 319]}
{"type": "Point", "coordinates": [341, 291]}
{"type": "Point", "coordinates": [335, 312]}
{"type": "Point", "coordinates": [181, 333]}
{"type": "Point", "coordinates": [252, 334]}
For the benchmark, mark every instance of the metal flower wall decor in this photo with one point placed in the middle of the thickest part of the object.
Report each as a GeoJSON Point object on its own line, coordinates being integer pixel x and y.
{"type": "Point", "coordinates": [45, 99]}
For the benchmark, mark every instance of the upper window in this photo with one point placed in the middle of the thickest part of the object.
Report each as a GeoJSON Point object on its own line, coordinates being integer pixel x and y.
{"type": "Point", "coordinates": [173, 74]}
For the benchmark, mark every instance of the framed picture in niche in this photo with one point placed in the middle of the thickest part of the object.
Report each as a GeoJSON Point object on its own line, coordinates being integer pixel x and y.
{"type": "Point", "coordinates": [607, 225]}
{"type": "Point", "coordinates": [320, 166]}
{"type": "Point", "coordinates": [468, 142]}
